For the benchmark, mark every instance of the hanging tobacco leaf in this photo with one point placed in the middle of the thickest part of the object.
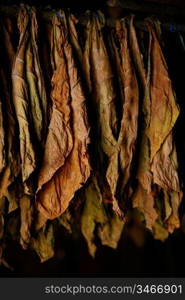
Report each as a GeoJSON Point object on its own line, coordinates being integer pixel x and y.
{"type": "Point", "coordinates": [66, 162]}
{"type": "Point", "coordinates": [43, 243]}
{"type": "Point", "coordinates": [121, 161]}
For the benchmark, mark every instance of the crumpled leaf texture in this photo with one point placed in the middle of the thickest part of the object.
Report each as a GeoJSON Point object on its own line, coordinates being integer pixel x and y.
{"type": "Point", "coordinates": [29, 93]}
{"type": "Point", "coordinates": [158, 160]}
{"type": "Point", "coordinates": [70, 168]}
{"type": "Point", "coordinates": [87, 118]}
{"type": "Point", "coordinates": [121, 161]}
{"type": "Point", "coordinates": [94, 217]}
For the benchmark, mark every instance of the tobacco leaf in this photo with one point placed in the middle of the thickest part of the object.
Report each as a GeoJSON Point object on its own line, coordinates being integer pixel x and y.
{"type": "Point", "coordinates": [26, 217]}
{"type": "Point", "coordinates": [55, 195]}
{"type": "Point", "coordinates": [96, 222]}
{"type": "Point", "coordinates": [43, 243]}
{"type": "Point", "coordinates": [2, 140]}
{"type": "Point", "coordinates": [121, 161]}
{"type": "Point", "coordinates": [172, 221]}
{"type": "Point", "coordinates": [100, 81]}
{"type": "Point", "coordinates": [66, 220]}
{"type": "Point", "coordinates": [110, 233]}
{"type": "Point", "coordinates": [145, 201]}
{"type": "Point", "coordinates": [164, 113]}
{"type": "Point", "coordinates": [143, 197]}
{"type": "Point", "coordinates": [159, 232]}
{"type": "Point", "coordinates": [71, 21]}
{"type": "Point", "coordinates": [36, 86]}
{"type": "Point", "coordinates": [160, 165]}
{"type": "Point", "coordinates": [2, 211]}
{"type": "Point", "coordinates": [165, 165]}
{"type": "Point", "coordinates": [30, 103]}
{"type": "Point", "coordinates": [59, 141]}
{"type": "Point", "coordinates": [13, 165]}
{"type": "Point", "coordinates": [29, 94]}
{"type": "Point", "coordinates": [93, 214]}
{"type": "Point", "coordinates": [164, 109]}
{"type": "Point", "coordinates": [21, 97]}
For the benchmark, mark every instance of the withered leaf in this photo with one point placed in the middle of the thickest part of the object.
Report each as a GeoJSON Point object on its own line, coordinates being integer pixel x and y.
{"type": "Point", "coordinates": [71, 168]}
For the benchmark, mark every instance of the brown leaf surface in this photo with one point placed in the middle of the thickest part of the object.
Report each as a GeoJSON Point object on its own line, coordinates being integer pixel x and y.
{"type": "Point", "coordinates": [26, 214]}
{"type": "Point", "coordinates": [28, 92]}
{"type": "Point", "coordinates": [121, 160]}
{"type": "Point", "coordinates": [95, 218]}
{"type": "Point", "coordinates": [55, 195]}
{"type": "Point", "coordinates": [43, 244]}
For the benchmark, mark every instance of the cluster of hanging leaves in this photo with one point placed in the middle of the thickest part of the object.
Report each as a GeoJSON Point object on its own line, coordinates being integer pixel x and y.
{"type": "Point", "coordinates": [86, 130]}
